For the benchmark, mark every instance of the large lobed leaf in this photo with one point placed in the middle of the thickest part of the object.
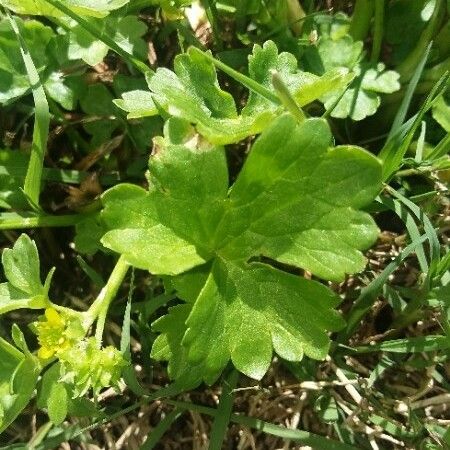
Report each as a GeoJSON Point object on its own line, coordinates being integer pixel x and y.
{"type": "Point", "coordinates": [295, 201]}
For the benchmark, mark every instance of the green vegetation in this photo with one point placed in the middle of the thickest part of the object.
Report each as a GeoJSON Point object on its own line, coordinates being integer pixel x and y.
{"type": "Point", "coordinates": [239, 210]}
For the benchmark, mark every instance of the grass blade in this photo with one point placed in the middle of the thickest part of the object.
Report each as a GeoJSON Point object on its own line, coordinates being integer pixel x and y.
{"type": "Point", "coordinates": [158, 432]}
{"type": "Point", "coordinates": [430, 232]}
{"type": "Point", "coordinates": [306, 438]}
{"type": "Point", "coordinates": [371, 291]}
{"type": "Point", "coordinates": [223, 414]}
{"type": "Point", "coordinates": [395, 148]}
{"type": "Point", "coordinates": [408, 345]}
{"type": "Point", "coordinates": [403, 110]}
{"type": "Point", "coordinates": [441, 149]}
{"type": "Point", "coordinates": [411, 226]}
{"type": "Point", "coordinates": [33, 178]}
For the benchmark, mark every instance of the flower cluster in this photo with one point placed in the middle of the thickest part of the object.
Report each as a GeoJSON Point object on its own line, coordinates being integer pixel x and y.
{"type": "Point", "coordinates": [87, 366]}
{"type": "Point", "coordinates": [84, 364]}
{"type": "Point", "coordinates": [56, 333]}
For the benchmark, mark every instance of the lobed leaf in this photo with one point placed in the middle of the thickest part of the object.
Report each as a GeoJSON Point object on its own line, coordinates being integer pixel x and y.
{"type": "Point", "coordinates": [336, 49]}
{"type": "Point", "coordinates": [295, 201]}
{"type": "Point", "coordinates": [192, 93]}
{"type": "Point", "coordinates": [21, 267]}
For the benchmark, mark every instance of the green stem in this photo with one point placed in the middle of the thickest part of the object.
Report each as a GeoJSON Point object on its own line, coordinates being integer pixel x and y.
{"type": "Point", "coordinates": [362, 15]}
{"type": "Point", "coordinates": [12, 221]}
{"type": "Point", "coordinates": [408, 66]}
{"type": "Point", "coordinates": [286, 97]}
{"type": "Point", "coordinates": [244, 80]}
{"type": "Point", "coordinates": [378, 29]}
{"type": "Point", "coordinates": [296, 16]}
{"type": "Point", "coordinates": [99, 309]}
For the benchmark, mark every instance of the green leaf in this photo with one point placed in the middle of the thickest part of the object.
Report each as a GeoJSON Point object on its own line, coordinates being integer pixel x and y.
{"type": "Point", "coordinates": [336, 50]}
{"type": "Point", "coordinates": [192, 92]}
{"type": "Point", "coordinates": [14, 80]}
{"type": "Point", "coordinates": [21, 267]}
{"type": "Point", "coordinates": [261, 63]}
{"type": "Point", "coordinates": [137, 104]}
{"type": "Point", "coordinates": [18, 378]}
{"type": "Point", "coordinates": [243, 308]}
{"type": "Point", "coordinates": [63, 90]}
{"type": "Point", "coordinates": [95, 8]}
{"type": "Point", "coordinates": [58, 403]}
{"type": "Point", "coordinates": [125, 31]}
{"type": "Point", "coordinates": [13, 166]}
{"type": "Point", "coordinates": [295, 201]}
{"type": "Point", "coordinates": [417, 344]}
{"type": "Point", "coordinates": [361, 99]}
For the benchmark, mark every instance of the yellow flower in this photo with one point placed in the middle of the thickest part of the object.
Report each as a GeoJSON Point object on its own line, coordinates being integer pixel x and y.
{"type": "Point", "coordinates": [53, 334]}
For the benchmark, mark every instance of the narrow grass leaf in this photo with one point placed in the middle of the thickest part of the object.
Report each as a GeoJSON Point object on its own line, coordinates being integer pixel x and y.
{"type": "Point", "coordinates": [306, 438]}
{"type": "Point", "coordinates": [384, 364]}
{"type": "Point", "coordinates": [408, 345]}
{"type": "Point", "coordinates": [413, 230]}
{"type": "Point", "coordinates": [33, 178]}
{"type": "Point", "coordinates": [391, 427]}
{"type": "Point", "coordinates": [371, 291]}
{"type": "Point", "coordinates": [171, 390]}
{"type": "Point", "coordinates": [93, 275]}
{"type": "Point", "coordinates": [406, 102]}
{"type": "Point", "coordinates": [441, 149]}
{"type": "Point", "coordinates": [223, 414]}
{"type": "Point", "coordinates": [396, 147]}
{"type": "Point", "coordinates": [158, 432]}
{"type": "Point", "coordinates": [429, 230]}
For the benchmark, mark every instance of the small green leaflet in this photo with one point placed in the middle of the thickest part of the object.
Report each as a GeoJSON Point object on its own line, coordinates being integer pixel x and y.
{"type": "Point", "coordinates": [126, 32]}
{"type": "Point", "coordinates": [295, 201]}
{"type": "Point", "coordinates": [23, 288]}
{"type": "Point", "coordinates": [336, 50]}
{"type": "Point", "coordinates": [18, 378]}
{"type": "Point", "coordinates": [192, 92]}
